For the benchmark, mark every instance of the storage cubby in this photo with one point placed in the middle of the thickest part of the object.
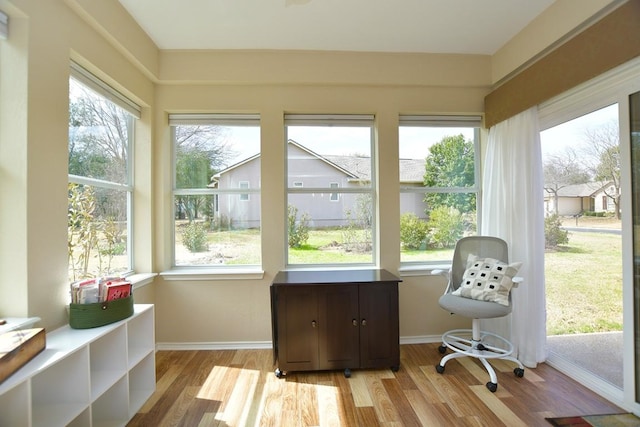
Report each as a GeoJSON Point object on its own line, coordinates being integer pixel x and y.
{"type": "Point", "coordinates": [61, 392]}
{"type": "Point", "coordinates": [14, 406]}
{"type": "Point", "coordinates": [112, 408]}
{"type": "Point", "coordinates": [142, 383]}
{"type": "Point", "coordinates": [82, 420]}
{"type": "Point", "coordinates": [140, 343]}
{"type": "Point", "coordinates": [94, 377]}
{"type": "Point", "coordinates": [108, 361]}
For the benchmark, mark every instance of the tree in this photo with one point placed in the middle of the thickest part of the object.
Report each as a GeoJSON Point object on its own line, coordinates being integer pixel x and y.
{"type": "Point", "coordinates": [98, 136]}
{"type": "Point", "coordinates": [201, 152]}
{"type": "Point", "coordinates": [561, 171]}
{"type": "Point", "coordinates": [602, 152]}
{"type": "Point", "coordinates": [451, 163]}
{"type": "Point", "coordinates": [99, 133]}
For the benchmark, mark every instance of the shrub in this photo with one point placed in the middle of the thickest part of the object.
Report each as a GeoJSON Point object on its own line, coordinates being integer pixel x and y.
{"type": "Point", "coordinates": [298, 229]}
{"type": "Point", "coordinates": [447, 226]}
{"type": "Point", "coordinates": [413, 231]}
{"type": "Point", "coordinates": [554, 235]}
{"type": "Point", "coordinates": [194, 237]}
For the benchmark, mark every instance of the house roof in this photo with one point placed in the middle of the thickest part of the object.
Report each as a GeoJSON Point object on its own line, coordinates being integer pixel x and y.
{"type": "Point", "coordinates": [356, 167]}
{"type": "Point", "coordinates": [588, 189]}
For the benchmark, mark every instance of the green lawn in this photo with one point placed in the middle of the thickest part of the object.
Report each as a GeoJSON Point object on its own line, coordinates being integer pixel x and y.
{"type": "Point", "coordinates": [584, 285]}
{"type": "Point", "coordinates": [583, 278]}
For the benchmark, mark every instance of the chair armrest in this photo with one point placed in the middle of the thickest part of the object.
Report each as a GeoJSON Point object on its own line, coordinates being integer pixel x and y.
{"type": "Point", "coordinates": [517, 280]}
{"type": "Point", "coordinates": [440, 272]}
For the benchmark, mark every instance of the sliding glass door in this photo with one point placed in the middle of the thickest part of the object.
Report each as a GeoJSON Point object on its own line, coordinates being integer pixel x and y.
{"type": "Point", "coordinates": [616, 256]}
{"type": "Point", "coordinates": [583, 256]}
{"type": "Point", "coordinates": [634, 127]}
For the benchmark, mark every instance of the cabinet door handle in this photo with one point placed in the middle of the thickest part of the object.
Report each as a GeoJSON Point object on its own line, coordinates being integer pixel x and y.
{"type": "Point", "coordinates": [354, 322]}
{"type": "Point", "coordinates": [313, 323]}
{"type": "Point", "coordinates": [364, 322]}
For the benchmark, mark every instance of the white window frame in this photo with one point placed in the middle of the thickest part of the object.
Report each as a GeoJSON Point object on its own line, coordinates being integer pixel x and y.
{"type": "Point", "coordinates": [457, 121]}
{"type": "Point", "coordinates": [217, 271]}
{"type": "Point", "coordinates": [86, 78]}
{"type": "Point", "coordinates": [347, 120]}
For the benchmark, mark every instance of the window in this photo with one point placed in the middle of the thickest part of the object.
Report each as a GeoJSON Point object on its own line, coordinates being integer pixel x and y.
{"type": "Point", "coordinates": [101, 130]}
{"type": "Point", "coordinates": [216, 190]}
{"type": "Point", "coordinates": [334, 197]}
{"type": "Point", "coordinates": [438, 185]}
{"type": "Point", "coordinates": [244, 196]}
{"type": "Point", "coordinates": [331, 219]}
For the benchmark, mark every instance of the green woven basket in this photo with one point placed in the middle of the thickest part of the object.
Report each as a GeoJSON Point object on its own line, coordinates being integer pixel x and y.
{"type": "Point", "coordinates": [84, 316]}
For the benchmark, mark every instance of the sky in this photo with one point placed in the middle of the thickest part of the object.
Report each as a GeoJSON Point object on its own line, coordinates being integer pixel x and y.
{"type": "Point", "coordinates": [414, 141]}
{"type": "Point", "coordinates": [555, 140]}
{"type": "Point", "coordinates": [327, 140]}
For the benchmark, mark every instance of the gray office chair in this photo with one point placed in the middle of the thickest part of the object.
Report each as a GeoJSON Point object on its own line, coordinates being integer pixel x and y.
{"type": "Point", "coordinates": [479, 287]}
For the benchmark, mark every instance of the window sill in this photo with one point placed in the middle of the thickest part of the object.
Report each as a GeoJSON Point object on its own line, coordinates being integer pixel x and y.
{"type": "Point", "coordinates": [212, 274]}
{"type": "Point", "coordinates": [421, 270]}
{"type": "Point", "coordinates": [141, 279]}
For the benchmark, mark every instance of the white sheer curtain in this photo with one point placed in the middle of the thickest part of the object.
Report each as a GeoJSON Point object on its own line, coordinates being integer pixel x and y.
{"type": "Point", "coordinates": [512, 209]}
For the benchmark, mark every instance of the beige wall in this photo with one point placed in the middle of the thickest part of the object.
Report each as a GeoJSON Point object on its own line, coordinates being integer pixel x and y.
{"type": "Point", "coordinates": [102, 37]}
{"type": "Point", "coordinates": [559, 21]}
{"type": "Point", "coordinates": [33, 149]}
{"type": "Point", "coordinates": [230, 306]}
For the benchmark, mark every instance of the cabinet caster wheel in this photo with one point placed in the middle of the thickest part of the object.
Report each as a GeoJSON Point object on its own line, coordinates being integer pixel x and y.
{"type": "Point", "coordinates": [519, 372]}
{"type": "Point", "coordinates": [279, 373]}
{"type": "Point", "coordinates": [439, 368]}
{"type": "Point", "coordinates": [347, 373]}
{"type": "Point", "coordinates": [395, 368]}
{"type": "Point", "coordinates": [492, 387]}
{"type": "Point", "coordinates": [442, 349]}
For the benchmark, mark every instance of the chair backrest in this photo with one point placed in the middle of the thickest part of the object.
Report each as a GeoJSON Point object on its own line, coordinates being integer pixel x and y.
{"type": "Point", "coordinates": [480, 246]}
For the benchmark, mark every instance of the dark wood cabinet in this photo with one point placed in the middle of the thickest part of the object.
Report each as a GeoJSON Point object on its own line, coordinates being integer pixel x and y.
{"type": "Point", "coordinates": [342, 319]}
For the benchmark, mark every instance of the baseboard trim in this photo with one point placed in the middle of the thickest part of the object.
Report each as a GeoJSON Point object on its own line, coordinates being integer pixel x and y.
{"type": "Point", "coordinates": [592, 382]}
{"type": "Point", "coordinates": [256, 345]}
{"type": "Point", "coordinates": [421, 339]}
{"type": "Point", "coordinates": [231, 345]}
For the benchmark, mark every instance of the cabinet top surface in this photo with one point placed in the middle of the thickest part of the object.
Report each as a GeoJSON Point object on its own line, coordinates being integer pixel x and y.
{"type": "Point", "coordinates": [333, 276]}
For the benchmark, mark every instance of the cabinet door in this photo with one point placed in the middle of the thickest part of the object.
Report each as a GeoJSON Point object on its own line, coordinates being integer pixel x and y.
{"type": "Point", "coordinates": [297, 311]}
{"type": "Point", "coordinates": [339, 326]}
{"type": "Point", "coordinates": [379, 325]}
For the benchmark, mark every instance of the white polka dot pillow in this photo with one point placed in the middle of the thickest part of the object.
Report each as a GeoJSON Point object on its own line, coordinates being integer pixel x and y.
{"type": "Point", "coordinates": [488, 279]}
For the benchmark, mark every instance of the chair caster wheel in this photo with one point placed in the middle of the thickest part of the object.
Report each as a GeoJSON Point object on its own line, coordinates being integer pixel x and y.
{"type": "Point", "coordinates": [442, 349]}
{"type": "Point", "coordinates": [279, 373]}
{"type": "Point", "coordinates": [492, 387]}
{"type": "Point", "coordinates": [439, 368]}
{"type": "Point", "coordinates": [519, 372]}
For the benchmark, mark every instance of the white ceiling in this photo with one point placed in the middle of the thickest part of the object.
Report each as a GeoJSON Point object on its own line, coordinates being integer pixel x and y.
{"type": "Point", "coordinates": [431, 26]}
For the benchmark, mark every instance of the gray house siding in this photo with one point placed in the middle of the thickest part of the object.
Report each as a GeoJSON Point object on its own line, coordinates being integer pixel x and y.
{"type": "Point", "coordinates": [311, 171]}
{"type": "Point", "coordinates": [241, 210]}
{"type": "Point", "coordinates": [307, 170]}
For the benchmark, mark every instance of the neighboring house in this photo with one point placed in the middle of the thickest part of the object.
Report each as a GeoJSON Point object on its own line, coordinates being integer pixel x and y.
{"type": "Point", "coordinates": [307, 169]}
{"type": "Point", "coordinates": [578, 198]}
{"type": "Point", "coordinates": [412, 175]}
{"type": "Point", "coordinates": [241, 210]}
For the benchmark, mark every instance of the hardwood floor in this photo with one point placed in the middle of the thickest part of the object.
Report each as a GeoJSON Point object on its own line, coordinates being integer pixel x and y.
{"type": "Point", "coordinates": [239, 388]}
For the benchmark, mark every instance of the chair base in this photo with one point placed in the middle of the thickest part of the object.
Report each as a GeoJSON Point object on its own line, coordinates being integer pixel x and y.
{"type": "Point", "coordinates": [474, 343]}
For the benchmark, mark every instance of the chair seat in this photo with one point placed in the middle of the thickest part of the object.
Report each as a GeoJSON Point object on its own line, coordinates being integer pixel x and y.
{"type": "Point", "coordinates": [471, 308]}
